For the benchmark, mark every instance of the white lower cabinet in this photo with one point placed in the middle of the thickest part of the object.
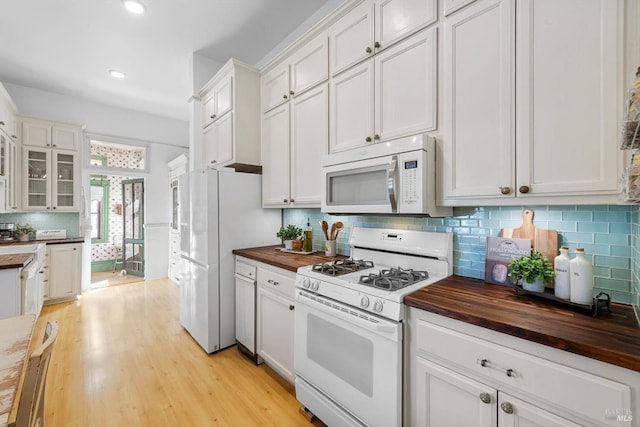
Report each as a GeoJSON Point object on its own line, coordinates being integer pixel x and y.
{"type": "Point", "coordinates": [275, 317]}
{"type": "Point", "coordinates": [464, 375]}
{"type": "Point", "coordinates": [64, 266]}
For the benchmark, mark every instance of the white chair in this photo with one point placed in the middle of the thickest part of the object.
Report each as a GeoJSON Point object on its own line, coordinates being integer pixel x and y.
{"type": "Point", "coordinates": [31, 406]}
{"type": "Point", "coordinates": [119, 258]}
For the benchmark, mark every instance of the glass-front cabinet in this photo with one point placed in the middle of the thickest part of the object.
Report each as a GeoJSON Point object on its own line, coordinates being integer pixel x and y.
{"type": "Point", "coordinates": [8, 171]}
{"type": "Point", "coordinates": [52, 180]}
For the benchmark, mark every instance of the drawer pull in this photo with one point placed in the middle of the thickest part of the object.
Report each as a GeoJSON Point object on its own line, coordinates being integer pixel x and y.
{"type": "Point", "coordinates": [292, 307]}
{"type": "Point", "coordinates": [485, 397]}
{"type": "Point", "coordinates": [273, 282]}
{"type": "Point", "coordinates": [486, 364]}
{"type": "Point", "coordinates": [507, 407]}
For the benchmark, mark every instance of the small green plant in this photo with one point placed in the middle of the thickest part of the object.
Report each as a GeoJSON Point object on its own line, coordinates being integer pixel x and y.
{"type": "Point", "coordinates": [290, 233]}
{"type": "Point", "coordinates": [531, 268]}
{"type": "Point", "coordinates": [24, 229]}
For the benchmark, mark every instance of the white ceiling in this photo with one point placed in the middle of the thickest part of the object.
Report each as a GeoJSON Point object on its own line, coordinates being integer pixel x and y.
{"type": "Point", "coordinates": [68, 46]}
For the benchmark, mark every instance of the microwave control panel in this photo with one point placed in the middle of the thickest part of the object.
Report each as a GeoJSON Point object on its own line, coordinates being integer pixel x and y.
{"type": "Point", "coordinates": [411, 181]}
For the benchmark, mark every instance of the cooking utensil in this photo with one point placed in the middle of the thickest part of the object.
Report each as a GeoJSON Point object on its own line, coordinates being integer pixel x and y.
{"type": "Point", "coordinates": [325, 229]}
{"type": "Point", "coordinates": [339, 227]}
{"type": "Point", "coordinates": [543, 241]}
{"type": "Point", "coordinates": [333, 232]}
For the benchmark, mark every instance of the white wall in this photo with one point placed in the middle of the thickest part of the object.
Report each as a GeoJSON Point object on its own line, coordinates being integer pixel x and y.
{"type": "Point", "coordinates": [99, 118]}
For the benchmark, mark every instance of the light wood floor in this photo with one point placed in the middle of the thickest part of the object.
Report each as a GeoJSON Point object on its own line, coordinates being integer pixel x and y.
{"type": "Point", "coordinates": [122, 358]}
{"type": "Point", "coordinates": [102, 279]}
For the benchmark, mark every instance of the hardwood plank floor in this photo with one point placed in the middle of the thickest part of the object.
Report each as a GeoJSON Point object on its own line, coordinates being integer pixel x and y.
{"type": "Point", "coordinates": [122, 358]}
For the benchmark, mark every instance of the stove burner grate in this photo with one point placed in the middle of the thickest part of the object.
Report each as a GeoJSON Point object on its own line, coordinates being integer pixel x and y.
{"type": "Point", "coordinates": [393, 278]}
{"type": "Point", "coordinates": [342, 266]}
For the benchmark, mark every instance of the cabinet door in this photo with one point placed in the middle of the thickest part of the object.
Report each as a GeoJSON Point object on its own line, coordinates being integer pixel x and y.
{"type": "Point", "coordinates": [36, 134]}
{"type": "Point", "coordinates": [350, 39]}
{"type": "Point", "coordinates": [12, 176]}
{"type": "Point", "coordinates": [395, 19]}
{"type": "Point", "coordinates": [351, 111]}
{"type": "Point", "coordinates": [451, 6]}
{"type": "Point", "coordinates": [66, 138]}
{"type": "Point", "coordinates": [246, 312]}
{"type": "Point", "coordinates": [65, 180]}
{"type": "Point", "coordinates": [275, 332]}
{"type": "Point", "coordinates": [217, 101]}
{"type": "Point", "coordinates": [275, 157]}
{"type": "Point", "coordinates": [218, 141]}
{"type": "Point", "coordinates": [514, 412]}
{"type": "Point", "coordinates": [274, 87]}
{"type": "Point", "coordinates": [36, 172]}
{"type": "Point", "coordinates": [310, 65]}
{"type": "Point", "coordinates": [478, 136]}
{"type": "Point", "coordinates": [309, 142]}
{"type": "Point", "coordinates": [566, 144]}
{"type": "Point", "coordinates": [405, 97]}
{"type": "Point", "coordinates": [64, 270]}
{"type": "Point", "coordinates": [446, 398]}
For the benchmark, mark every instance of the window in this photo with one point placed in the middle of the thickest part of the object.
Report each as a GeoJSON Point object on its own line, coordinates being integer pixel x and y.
{"type": "Point", "coordinates": [117, 155]}
{"type": "Point", "coordinates": [99, 208]}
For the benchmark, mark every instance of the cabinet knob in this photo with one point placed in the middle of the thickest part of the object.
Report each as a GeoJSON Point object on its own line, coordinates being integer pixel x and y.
{"type": "Point", "coordinates": [14, 136]}
{"type": "Point", "coordinates": [14, 207]}
{"type": "Point", "coordinates": [291, 92]}
{"type": "Point", "coordinates": [1, 123]}
{"type": "Point", "coordinates": [524, 189]}
{"type": "Point", "coordinates": [48, 207]}
{"type": "Point", "coordinates": [376, 137]}
{"type": "Point", "coordinates": [376, 45]}
{"type": "Point", "coordinates": [507, 407]}
{"type": "Point", "coordinates": [285, 200]}
{"type": "Point", "coordinates": [292, 307]}
{"type": "Point", "coordinates": [292, 200]}
{"type": "Point", "coordinates": [54, 207]}
{"type": "Point", "coordinates": [485, 397]}
{"type": "Point", "coordinates": [54, 145]}
{"type": "Point", "coordinates": [285, 96]}
{"type": "Point", "coordinates": [368, 139]}
{"type": "Point", "coordinates": [75, 249]}
{"type": "Point", "coordinates": [213, 161]}
{"type": "Point", "coordinates": [48, 145]}
{"type": "Point", "coordinates": [213, 116]}
{"type": "Point", "coordinates": [368, 50]}
{"type": "Point", "coordinates": [505, 190]}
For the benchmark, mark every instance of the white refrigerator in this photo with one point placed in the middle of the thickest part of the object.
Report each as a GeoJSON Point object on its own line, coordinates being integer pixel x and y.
{"type": "Point", "coordinates": [220, 210]}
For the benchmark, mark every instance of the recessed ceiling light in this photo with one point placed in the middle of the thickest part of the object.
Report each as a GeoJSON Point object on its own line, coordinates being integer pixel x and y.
{"type": "Point", "coordinates": [134, 6]}
{"type": "Point", "coordinates": [116, 74]}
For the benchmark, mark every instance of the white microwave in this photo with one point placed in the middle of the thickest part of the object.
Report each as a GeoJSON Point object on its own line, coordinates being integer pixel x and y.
{"type": "Point", "coordinates": [392, 177]}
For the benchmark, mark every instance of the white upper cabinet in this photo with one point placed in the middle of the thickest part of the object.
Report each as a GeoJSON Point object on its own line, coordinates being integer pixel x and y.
{"type": "Point", "coordinates": [532, 101]}
{"type": "Point", "coordinates": [305, 68]}
{"type": "Point", "coordinates": [451, 6]}
{"type": "Point", "coordinates": [231, 116]}
{"type": "Point", "coordinates": [218, 101]}
{"type": "Point", "coordinates": [375, 25]}
{"type": "Point", "coordinates": [397, 88]}
{"type": "Point", "coordinates": [38, 133]}
{"type": "Point", "coordinates": [478, 79]}
{"type": "Point", "coordinates": [275, 157]}
{"type": "Point", "coordinates": [566, 144]}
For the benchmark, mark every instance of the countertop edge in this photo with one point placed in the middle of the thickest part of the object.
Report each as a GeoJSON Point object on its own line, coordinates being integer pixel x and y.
{"type": "Point", "coordinates": [554, 339]}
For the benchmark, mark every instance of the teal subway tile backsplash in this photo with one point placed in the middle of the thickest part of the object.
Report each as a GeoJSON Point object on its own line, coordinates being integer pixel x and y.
{"type": "Point", "coordinates": [609, 233]}
{"type": "Point", "coordinates": [46, 221]}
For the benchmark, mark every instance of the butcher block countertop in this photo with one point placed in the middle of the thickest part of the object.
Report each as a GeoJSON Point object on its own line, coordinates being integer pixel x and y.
{"type": "Point", "coordinates": [274, 256]}
{"type": "Point", "coordinates": [14, 260]}
{"type": "Point", "coordinates": [613, 338]}
{"type": "Point", "coordinates": [45, 241]}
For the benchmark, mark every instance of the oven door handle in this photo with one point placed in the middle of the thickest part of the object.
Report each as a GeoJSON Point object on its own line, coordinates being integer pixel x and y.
{"type": "Point", "coordinates": [391, 331]}
{"type": "Point", "coordinates": [391, 183]}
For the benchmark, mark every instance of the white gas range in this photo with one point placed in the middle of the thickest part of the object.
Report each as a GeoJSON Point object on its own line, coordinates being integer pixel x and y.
{"type": "Point", "coordinates": [348, 323]}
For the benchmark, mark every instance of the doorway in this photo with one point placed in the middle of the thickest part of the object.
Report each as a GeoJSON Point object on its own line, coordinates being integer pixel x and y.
{"type": "Point", "coordinates": [133, 226]}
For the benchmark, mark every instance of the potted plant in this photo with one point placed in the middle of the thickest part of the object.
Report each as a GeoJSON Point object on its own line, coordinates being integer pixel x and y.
{"type": "Point", "coordinates": [288, 234]}
{"type": "Point", "coordinates": [23, 231]}
{"type": "Point", "coordinates": [532, 271]}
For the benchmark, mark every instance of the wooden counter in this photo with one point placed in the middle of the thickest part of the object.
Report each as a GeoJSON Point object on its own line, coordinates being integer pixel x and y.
{"type": "Point", "coordinates": [274, 256]}
{"type": "Point", "coordinates": [15, 335]}
{"type": "Point", "coordinates": [15, 260]}
{"type": "Point", "coordinates": [613, 338]}
{"type": "Point", "coordinates": [46, 242]}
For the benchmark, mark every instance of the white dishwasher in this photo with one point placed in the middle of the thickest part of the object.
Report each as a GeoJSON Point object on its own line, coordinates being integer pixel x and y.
{"type": "Point", "coordinates": [23, 291]}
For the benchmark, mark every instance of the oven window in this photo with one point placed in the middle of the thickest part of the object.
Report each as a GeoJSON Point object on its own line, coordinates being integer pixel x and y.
{"type": "Point", "coordinates": [360, 188]}
{"type": "Point", "coordinates": [342, 352]}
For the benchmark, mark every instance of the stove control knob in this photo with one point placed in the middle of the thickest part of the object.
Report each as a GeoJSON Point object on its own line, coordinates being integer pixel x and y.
{"type": "Point", "coordinates": [315, 285]}
{"type": "Point", "coordinates": [306, 282]}
{"type": "Point", "coordinates": [364, 301]}
{"type": "Point", "coordinates": [377, 306]}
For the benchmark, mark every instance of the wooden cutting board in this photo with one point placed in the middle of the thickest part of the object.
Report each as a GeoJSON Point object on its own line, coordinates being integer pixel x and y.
{"type": "Point", "coordinates": [543, 241]}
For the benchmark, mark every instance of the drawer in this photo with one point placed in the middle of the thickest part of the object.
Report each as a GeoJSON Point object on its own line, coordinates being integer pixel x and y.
{"type": "Point", "coordinates": [280, 281]}
{"type": "Point", "coordinates": [245, 269]}
{"type": "Point", "coordinates": [560, 385]}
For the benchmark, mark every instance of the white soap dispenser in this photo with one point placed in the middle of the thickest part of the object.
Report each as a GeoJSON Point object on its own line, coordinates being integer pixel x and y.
{"type": "Point", "coordinates": [581, 279]}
